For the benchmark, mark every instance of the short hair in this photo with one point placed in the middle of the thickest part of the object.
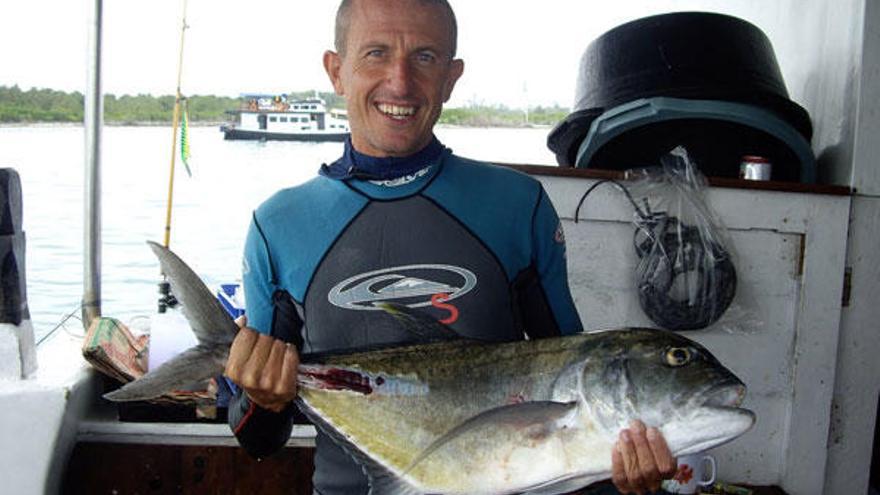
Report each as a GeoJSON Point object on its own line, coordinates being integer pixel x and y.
{"type": "Point", "coordinates": [343, 20]}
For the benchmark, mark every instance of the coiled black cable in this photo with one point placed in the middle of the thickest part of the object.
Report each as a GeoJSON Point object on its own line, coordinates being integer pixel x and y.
{"type": "Point", "coordinates": [675, 260]}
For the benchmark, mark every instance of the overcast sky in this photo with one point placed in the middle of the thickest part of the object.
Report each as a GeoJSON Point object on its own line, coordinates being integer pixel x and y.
{"type": "Point", "coordinates": [515, 51]}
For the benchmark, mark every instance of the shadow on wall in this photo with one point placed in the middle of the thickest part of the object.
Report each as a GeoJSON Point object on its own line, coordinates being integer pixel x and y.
{"type": "Point", "coordinates": [834, 161]}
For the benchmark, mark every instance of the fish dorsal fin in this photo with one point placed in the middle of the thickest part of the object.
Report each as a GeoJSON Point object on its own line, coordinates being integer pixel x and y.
{"type": "Point", "coordinates": [530, 413]}
{"type": "Point", "coordinates": [381, 480]}
{"type": "Point", "coordinates": [418, 324]}
{"type": "Point", "coordinates": [209, 321]}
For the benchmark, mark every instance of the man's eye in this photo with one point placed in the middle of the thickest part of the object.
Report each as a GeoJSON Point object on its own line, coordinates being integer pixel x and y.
{"type": "Point", "coordinates": [425, 58]}
{"type": "Point", "coordinates": [375, 53]}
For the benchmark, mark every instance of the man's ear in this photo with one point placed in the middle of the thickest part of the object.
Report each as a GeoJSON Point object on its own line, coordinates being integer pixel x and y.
{"type": "Point", "coordinates": [456, 69]}
{"type": "Point", "coordinates": [333, 65]}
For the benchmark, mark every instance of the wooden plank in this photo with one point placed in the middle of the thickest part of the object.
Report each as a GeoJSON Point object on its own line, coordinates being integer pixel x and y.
{"type": "Point", "coordinates": [107, 468]}
{"type": "Point", "coordinates": [764, 185]}
{"type": "Point", "coordinates": [206, 470]}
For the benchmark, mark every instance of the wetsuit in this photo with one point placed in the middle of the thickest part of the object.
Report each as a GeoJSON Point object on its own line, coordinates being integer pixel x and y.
{"type": "Point", "coordinates": [476, 246]}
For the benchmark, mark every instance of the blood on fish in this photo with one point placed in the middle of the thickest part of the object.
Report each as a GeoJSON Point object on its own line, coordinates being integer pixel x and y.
{"type": "Point", "coordinates": [340, 379]}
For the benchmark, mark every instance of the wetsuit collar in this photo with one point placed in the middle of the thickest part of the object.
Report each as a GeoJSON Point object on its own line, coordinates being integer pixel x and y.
{"type": "Point", "coordinates": [356, 165]}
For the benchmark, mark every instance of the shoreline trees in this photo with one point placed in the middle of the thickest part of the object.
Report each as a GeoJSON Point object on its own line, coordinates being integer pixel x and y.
{"type": "Point", "coordinates": [52, 106]}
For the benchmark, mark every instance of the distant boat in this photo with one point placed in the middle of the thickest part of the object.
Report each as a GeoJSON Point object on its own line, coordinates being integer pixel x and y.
{"type": "Point", "coordinates": [274, 117]}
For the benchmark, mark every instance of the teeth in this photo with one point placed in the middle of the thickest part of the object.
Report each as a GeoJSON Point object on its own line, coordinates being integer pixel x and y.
{"type": "Point", "coordinates": [396, 110]}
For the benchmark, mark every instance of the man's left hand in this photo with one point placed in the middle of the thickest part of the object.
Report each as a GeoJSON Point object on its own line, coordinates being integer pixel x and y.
{"type": "Point", "coordinates": [641, 460]}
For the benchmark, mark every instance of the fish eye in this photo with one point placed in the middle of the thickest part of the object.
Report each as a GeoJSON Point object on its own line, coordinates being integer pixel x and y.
{"type": "Point", "coordinates": [678, 356]}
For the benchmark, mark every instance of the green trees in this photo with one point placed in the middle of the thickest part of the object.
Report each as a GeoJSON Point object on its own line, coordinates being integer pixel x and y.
{"type": "Point", "coordinates": [39, 105]}
{"type": "Point", "coordinates": [47, 105]}
{"type": "Point", "coordinates": [501, 116]}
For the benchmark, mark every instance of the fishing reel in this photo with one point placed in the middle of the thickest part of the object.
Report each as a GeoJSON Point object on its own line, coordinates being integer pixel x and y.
{"type": "Point", "coordinates": [166, 298]}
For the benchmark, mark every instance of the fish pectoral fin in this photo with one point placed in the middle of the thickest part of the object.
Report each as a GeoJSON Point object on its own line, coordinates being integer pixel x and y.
{"type": "Point", "coordinates": [193, 365]}
{"type": "Point", "coordinates": [533, 419]}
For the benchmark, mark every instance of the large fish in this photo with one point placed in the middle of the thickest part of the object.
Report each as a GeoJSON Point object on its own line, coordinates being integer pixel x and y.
{"type": "Point", "coordinates": [465, 417]}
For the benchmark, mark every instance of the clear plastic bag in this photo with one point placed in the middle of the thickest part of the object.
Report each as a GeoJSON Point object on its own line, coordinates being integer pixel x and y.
{"type": "Point", "coordinates": [685, 275]}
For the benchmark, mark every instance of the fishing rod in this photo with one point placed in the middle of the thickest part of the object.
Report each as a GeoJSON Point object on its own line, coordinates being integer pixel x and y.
{"type": "Point", "coordinates": [167, 299]}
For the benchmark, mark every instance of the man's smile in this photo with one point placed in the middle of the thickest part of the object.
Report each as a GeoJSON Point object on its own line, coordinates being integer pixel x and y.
{"type": "Point", "coordinates": [397, 112]}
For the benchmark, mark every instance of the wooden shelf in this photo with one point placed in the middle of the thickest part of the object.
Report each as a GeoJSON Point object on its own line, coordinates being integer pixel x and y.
{"type": "Point", "coordinates": [768, 185]}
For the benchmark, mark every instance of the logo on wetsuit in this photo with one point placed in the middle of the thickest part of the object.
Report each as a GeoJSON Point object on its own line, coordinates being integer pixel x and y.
{"type": "Point", "coordinates": [411, 285]}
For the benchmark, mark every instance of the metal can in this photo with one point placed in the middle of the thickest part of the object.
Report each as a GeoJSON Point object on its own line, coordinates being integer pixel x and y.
{"type": "Point", "coordinates": [753, 167]}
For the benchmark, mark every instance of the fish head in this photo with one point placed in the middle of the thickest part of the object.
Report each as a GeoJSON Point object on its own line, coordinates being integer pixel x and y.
{"type": "Point", "coordinates": [668, 381]}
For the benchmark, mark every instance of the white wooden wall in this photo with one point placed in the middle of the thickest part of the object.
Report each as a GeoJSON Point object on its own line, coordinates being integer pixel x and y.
{"type": "Point", "coordinates": [780, 334]}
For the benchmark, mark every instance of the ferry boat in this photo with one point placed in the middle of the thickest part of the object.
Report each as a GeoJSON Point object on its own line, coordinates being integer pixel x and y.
{"type": "Point", "coordinates": [275, 117]}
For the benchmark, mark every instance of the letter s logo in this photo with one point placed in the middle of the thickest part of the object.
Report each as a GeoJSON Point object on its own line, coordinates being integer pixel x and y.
{"type": "Point", "coordinates": [437, 302]}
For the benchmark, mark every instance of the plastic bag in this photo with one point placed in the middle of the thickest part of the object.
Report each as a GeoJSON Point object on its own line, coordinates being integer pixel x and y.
{"type": "Point", "coordinates": [685, 275]}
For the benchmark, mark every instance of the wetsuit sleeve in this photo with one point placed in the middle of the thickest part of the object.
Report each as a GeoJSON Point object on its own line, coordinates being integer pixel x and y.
{"type": "Point", "coordinates": [258, 278]}
{"type": "Point", "coordinates": [545, 303]}
{"type": "Point", "coordinates": [259, 431]}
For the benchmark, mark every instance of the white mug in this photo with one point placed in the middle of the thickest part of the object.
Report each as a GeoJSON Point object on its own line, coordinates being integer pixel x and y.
{"type": "Point", "coordinates": [694, 471]}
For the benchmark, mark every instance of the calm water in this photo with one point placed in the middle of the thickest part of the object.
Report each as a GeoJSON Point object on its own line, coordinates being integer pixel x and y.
{"type": "Point", "coordinates": [210, 213]}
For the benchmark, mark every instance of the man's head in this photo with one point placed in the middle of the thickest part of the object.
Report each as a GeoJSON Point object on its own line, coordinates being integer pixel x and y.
{"type": "Point", "coordinates": [394, 64]}
{"type": "Point", "coordinates": [343, 20]}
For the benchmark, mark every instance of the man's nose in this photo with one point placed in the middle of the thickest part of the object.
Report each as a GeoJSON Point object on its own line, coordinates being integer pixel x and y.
{"type": "Point", "coordinates": [400, 75]}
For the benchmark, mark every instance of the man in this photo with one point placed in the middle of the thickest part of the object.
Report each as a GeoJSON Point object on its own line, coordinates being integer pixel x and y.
{"type": "Point", "coordinates": [399, 218]}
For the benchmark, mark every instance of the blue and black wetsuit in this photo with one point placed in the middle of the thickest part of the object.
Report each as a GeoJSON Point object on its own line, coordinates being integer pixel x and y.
{"type": "Point", "coordinates": [476, 246]}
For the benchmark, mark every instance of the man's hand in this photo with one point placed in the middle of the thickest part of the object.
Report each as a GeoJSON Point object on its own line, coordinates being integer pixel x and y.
{"type": "Point", "coordinates": [641, 460]}
{"type": "Point", "coordinates": [264, 367]}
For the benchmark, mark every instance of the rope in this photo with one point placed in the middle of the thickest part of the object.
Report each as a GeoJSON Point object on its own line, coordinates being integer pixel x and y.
{"type": "Point", "coordinates": [61, 323]}
{"type": "Point", "coordinates": [669, 250]}
{"type": "Point", "coordinates": [623, 188]}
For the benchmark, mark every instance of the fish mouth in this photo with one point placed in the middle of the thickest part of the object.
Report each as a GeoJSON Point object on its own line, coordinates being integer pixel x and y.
{"type": "Point", "coordinates": [713, 418]}
{"type": "Point", "coordinates": [729, 395]}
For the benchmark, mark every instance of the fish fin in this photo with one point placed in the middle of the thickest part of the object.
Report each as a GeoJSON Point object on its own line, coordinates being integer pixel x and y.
{"type": "Point", "coordinates": [381, 480]}
{"type": "Point", "coordinates": [209, 321]}
{"type": "Point", "coordinates": [193, 365]}
{"type": "Point", "coordinates": [415, 322]}
{"type": "Point", "coordinates": [538, 413]}
{"type": "Point", "coordinates": [568, 484]}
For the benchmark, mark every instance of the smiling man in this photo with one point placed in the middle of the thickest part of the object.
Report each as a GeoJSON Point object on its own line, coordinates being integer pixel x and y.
{"type": "Point", "coordinates": [395, 66]}
{"type": "Point", "coordinates": [398, 218]}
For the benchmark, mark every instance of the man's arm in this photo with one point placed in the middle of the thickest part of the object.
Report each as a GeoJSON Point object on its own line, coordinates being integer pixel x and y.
{"type": "Point", "coordinates": [542, 294]}
{"type": "Point", "coordinates": [261, 413]}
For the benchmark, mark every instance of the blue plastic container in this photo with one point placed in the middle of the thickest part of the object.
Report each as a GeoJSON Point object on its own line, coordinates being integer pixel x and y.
{"type": "Point", "coordinates": [232, 299]}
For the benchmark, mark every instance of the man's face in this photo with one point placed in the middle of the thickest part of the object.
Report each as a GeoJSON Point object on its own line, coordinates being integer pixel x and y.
{"type": "Point", "coordinates": [395, 74]}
